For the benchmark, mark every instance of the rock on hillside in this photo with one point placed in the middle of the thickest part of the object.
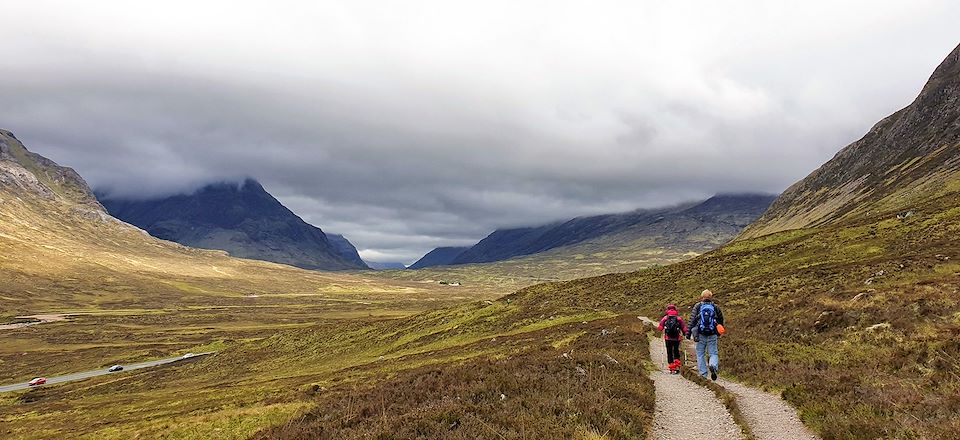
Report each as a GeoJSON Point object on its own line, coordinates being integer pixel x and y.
{"type": "Point", "coordinates": [908, 157]}
{"type": "Point", "coordinates": [242, 219]}
{"type": "Point", "coordinates": [440, 256]}
{"type": "Point", "coordinates": [696, 226]}
{"type": "Point", "coordinates": [24, 170]}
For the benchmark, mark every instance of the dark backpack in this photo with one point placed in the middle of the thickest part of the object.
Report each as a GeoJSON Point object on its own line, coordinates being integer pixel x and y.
{"type": "Point", "coordinates": [672, 327]}
{"type": "Point", "coordinates": [708, 319]}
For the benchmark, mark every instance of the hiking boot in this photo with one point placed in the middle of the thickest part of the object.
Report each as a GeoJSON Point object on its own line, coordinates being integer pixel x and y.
{"type": "Point", "coordinates": [713, 373]}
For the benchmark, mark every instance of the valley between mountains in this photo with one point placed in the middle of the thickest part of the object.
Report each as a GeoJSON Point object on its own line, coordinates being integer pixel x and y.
{"type": "Point", "coordinates": [842, 301]}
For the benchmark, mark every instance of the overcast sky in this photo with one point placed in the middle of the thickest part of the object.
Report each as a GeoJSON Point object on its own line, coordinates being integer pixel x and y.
{"type": "Point", "coordinates": [415, 124]}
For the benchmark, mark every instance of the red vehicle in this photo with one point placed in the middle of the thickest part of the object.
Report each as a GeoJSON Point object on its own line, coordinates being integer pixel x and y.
{"type": "Point", "coordinates": [37, 381]}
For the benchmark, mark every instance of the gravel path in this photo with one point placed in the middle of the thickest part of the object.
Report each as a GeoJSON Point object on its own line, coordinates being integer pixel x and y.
{"type": "Point", "coordinates": [770, 418]}
{"type": "Point", "coordinates": [684, 410]}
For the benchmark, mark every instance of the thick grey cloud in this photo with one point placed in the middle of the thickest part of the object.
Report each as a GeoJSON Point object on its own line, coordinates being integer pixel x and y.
{"type": "Point", "coordinates": [410, 125]}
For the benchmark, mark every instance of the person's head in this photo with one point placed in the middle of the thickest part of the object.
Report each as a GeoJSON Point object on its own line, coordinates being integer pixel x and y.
{"type": "Point", "coordinates": [706, 295]}
{"type": "Point", "coordinates": [671, 307]}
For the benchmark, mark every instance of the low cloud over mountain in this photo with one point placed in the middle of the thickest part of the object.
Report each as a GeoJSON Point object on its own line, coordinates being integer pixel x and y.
{"type": "Point", "coordinates": [407, 132]}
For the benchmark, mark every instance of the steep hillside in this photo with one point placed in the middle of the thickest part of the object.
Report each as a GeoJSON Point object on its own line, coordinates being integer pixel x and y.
{"type": "Point", "coordinates": [908, 157]}
{"type": "Point", "coordinates": [697, 227]}
{"type": "Point", "coordinates": [440, 256]}
{"type": "Point", "coordinates": [242, 219]}
{"type": "Point", "coordinates": [27, 171]}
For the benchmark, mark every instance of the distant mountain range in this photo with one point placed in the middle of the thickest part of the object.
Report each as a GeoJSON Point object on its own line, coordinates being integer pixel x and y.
{"type": "Point", "coordinates": [694, 227]}
{"type": "Point", "coordinates": [440, 256]}
{"type": "Point", "coordinates": [242, 219]}
{"type": "Point", "coordinates": [385, 266]}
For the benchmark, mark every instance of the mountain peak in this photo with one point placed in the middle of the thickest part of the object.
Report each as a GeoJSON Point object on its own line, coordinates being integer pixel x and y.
{"type": "Point", "coordinates": [241, 218]}
{"type": "Point", "coordinates": [947, 71]}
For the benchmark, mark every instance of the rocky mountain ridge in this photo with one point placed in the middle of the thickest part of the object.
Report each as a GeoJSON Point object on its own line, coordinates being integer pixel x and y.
{"type": "Point", "coordinates": [696, 227]}
{"type": "Point", "coordinates": [242, 219]}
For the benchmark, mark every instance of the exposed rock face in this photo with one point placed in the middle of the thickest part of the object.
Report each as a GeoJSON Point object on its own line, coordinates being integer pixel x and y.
{"type": "Point", "coordinates": [242, 219]}
{"type": "Point", "coordinates": [440, 256]}
{"type": "Point", "coordinates": [699, 227]}
{"type": "Point", "coordinates": [909, 156]}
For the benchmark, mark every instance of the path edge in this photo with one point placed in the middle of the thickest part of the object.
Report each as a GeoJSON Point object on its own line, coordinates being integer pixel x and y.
{"type": "Point", "coordinates": [727, 398]}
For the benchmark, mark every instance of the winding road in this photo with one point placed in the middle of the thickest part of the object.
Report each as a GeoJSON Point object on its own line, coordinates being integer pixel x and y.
{"type": "Point", "coordinates": [101, 372]}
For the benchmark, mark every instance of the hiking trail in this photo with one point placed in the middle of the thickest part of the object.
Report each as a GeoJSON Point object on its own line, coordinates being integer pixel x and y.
{"type": "Point", "coordinates": [685, 410]}
{"type": "Point", "coordinates": [769, 416]}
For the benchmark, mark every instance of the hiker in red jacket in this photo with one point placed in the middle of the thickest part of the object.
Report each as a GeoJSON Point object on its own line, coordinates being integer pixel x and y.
{"type": "Point", "coordinates": [673, 329]}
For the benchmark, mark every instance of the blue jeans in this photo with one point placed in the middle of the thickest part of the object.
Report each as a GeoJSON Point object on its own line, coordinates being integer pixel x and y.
{"type": "Point", "coordinates": [707, 344]}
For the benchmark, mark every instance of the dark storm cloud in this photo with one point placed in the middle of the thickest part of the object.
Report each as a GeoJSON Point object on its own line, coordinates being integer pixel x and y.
{"type": "Point", "coordinates": [411, 126]}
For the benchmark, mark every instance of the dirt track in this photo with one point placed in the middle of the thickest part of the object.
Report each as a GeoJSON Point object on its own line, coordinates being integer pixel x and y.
{"type": "Point", "coordinates": [770, 418]}
{"type": "Point", "coordinates": [685, 410]}
{"type": "Point", "coordinates": [40, 319]}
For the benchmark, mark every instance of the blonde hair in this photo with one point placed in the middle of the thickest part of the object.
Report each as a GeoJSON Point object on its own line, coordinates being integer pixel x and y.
{"type": "Point", "coordinates": [706, 294]}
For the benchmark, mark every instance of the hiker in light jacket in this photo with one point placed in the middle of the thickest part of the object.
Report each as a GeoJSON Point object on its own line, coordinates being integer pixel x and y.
{"type": "Point", "coordinates": [673, 329]}
{"type": "Point", "coordinates": [704, 320]}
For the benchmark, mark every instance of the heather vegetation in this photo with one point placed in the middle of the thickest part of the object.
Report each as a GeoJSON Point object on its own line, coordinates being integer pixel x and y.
{"type": "Point", "coordinates": [568, 381]}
